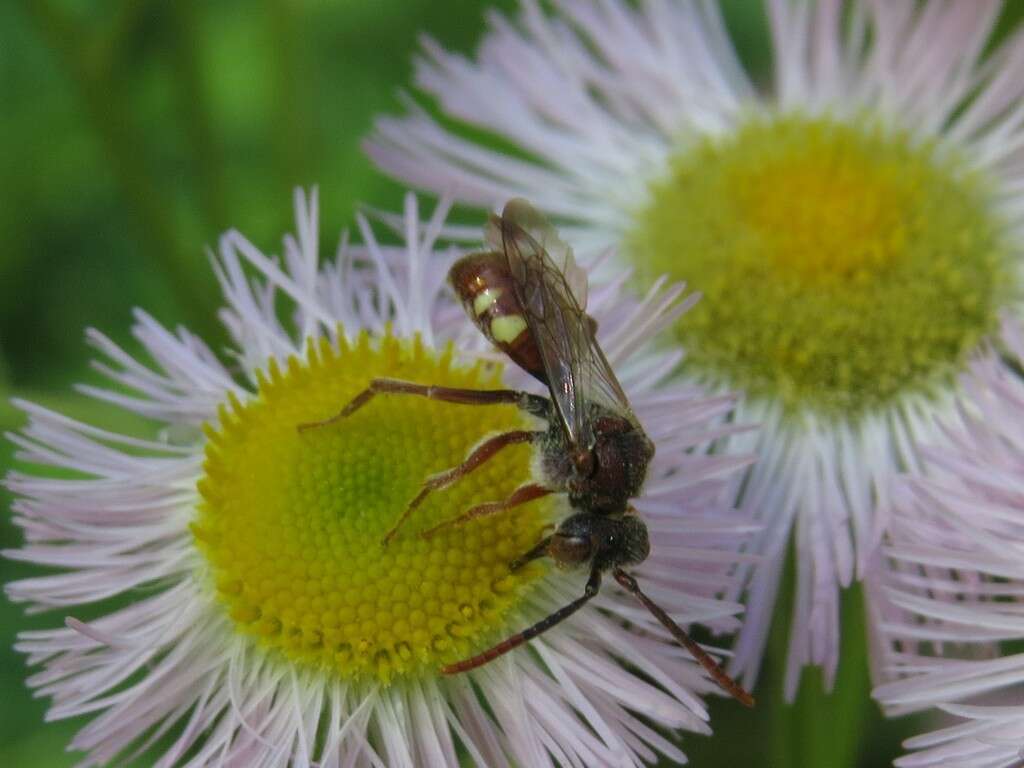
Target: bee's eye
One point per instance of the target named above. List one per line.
(609, 540)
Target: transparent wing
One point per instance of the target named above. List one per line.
(533, 223)
(578, 372)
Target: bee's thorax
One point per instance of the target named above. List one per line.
(614, 469)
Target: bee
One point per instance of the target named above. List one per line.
(527, 296)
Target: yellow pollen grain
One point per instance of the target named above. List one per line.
(290, 523)
(843, 265)
(507, 328)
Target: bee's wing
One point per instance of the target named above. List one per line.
(533, 223)
(576, 368)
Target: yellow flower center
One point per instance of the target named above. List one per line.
(291, 523)
(842, 265)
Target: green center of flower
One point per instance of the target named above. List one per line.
(842, 266)
(291, 523)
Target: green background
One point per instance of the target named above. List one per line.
(134, 132)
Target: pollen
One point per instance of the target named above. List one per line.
(291, 523)
(843, 265)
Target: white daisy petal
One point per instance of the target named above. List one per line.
(947, 586)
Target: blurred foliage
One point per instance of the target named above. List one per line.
(135, 132)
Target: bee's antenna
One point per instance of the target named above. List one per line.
(719, 675)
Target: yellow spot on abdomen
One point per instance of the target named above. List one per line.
(485, 300)
(291, 523)
(507, 328)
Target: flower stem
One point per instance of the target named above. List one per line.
(821, 728)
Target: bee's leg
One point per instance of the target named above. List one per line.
(520, 495)
(478, 456)
(535, 404)
(593, 585)
(719, 675)
(539, 550)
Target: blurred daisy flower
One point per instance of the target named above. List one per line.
(241, 608)
(855, 228)
(950, 584)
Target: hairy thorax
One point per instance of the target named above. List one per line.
(619, 456)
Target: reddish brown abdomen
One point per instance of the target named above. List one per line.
(487, 291)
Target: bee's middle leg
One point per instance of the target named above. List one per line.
(479, 455)
(520, 495)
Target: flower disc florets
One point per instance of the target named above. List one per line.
(292, 522)
(876, 265)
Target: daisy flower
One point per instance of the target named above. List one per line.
(227, 597)
(952, 578)
(855, 226)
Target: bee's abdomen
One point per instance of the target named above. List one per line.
(487, 291)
